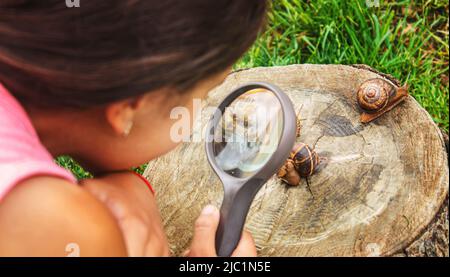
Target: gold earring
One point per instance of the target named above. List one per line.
(127, 129)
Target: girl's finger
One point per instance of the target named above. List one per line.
(203, 243)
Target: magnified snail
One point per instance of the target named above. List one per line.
(303, 162)
(378, 96)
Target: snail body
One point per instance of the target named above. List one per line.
(289, 174)
(302, 162)
(377, 96)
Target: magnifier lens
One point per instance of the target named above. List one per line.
(248, 133)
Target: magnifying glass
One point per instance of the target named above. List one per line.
(248, 139)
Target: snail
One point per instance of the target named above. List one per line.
(289, 174)
(302, 162)
(378, 96)
(305, 159)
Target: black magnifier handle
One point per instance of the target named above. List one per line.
(233, 212)
(239, 192)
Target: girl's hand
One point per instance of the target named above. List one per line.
(203, 243)
(134, 207)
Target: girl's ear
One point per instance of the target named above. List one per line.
(120, 115)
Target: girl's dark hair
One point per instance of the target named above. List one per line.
(109, 50)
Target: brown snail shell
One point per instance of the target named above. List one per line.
(373, 95)
(305, 159)
(302, 162)
(378, 96)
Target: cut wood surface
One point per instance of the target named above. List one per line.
(383, 184)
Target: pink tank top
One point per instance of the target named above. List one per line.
(22, 155)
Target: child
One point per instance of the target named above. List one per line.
(97, 83)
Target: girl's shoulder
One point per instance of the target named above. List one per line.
(48, 216)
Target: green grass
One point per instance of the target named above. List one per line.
(407, 39)
(79, 172)
(68, 163)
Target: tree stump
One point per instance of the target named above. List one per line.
(383, 184)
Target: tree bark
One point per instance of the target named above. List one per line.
(381, 193)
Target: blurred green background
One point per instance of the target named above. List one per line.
(407, 39)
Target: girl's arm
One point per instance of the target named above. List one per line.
(46, 216)
(134, 207)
